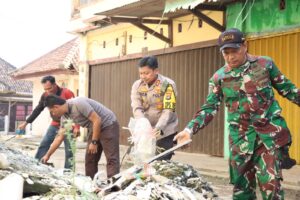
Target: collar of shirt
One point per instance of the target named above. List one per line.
(236, 72)
(156, 82)
(67, 114)
(59, 90)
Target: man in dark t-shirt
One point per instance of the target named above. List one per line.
(103, 131)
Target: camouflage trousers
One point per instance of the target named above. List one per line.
(262, 165)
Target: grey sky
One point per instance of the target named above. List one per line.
(31, 28)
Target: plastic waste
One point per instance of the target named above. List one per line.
(20, 133)
(144, 142)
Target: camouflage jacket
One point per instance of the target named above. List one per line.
(248, 95)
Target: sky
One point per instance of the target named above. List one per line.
(32, 28)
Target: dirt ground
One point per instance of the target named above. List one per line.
(224, 189)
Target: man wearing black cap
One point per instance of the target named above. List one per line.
(258, 134)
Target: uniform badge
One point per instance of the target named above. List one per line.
(157, 89)
(169, 101)
(157, 83)
(143, 89)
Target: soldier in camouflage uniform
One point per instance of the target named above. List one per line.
(257, 131)
(153, 96)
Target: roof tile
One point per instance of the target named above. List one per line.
(8, 84)
(63, 57)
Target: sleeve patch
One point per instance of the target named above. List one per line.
(169, 101)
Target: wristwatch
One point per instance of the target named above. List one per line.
(95, 142)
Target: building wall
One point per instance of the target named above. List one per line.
(191, 32)
(88, 10)
(97, 50)
(264, 16)
(83, 67)
(41, 123)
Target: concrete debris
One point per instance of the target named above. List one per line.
(42, 181)
(171, 181)
(160, 180)
(184, 175)
(4, 164)
(11, 187)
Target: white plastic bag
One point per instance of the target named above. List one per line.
(144, 142)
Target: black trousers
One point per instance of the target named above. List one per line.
(166, 143)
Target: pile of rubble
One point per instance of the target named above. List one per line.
(164, 180)
(160, 180)
(40, 181)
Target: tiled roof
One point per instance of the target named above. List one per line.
(65, 57)
(8, 84)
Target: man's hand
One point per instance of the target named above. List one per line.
(45, 159)
(182, 137)
(92, 148)
(76, 131)
(156, 133)
(22, 126)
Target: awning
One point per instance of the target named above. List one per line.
(149, 8)
(16, 97)
(138, 12)
(174, 5)
(166, 8)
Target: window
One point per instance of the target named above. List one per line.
(29, 110)
(161, 31)
(179, 28)
(104, 45)
(145, 35)
(200, 23)
(20, 113)
(117, 41)
(282, 5)
(130, 38)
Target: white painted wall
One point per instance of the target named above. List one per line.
(41, 123)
